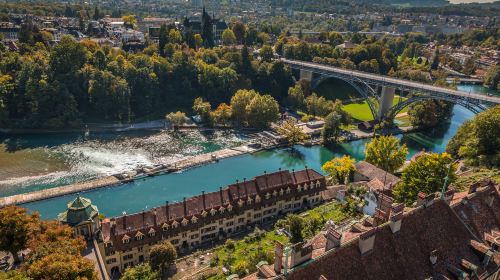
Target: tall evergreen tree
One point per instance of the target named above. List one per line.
(207, 30)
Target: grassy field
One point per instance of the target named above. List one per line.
(336, 89)
(361, 111)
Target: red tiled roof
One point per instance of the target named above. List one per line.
(194, 206)
(405, 255)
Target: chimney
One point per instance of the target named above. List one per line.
(221, 197)
(421, 198)
(473, 188)
(307, 173)
(448, 195)
(143, 217)
(203, 198)
(112, 222)
(278, 257)
(433, 257)
(167, 212)
(185, 207)
(367, 240)
(154, 217)
(395, 222)
(491, 198)
(124, 221)
(333, 238)
(300, 253)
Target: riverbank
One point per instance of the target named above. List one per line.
(127, 177)
(261, 142)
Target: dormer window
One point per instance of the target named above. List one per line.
(275, 193)
(125, 239)
(250, 200)
(288, 190)
(257, 198)
(204, 213)
(268, 195)
(213, 212)
(299, 188)
(165, 227)
(194, 220)
(240, 203)
(230, 208)
(151, 232)
(305, 186)
(184, 222)
(139, 235)
(175, 224)
(281, 192)
(221, 209)
(318, 184)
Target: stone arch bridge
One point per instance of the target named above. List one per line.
(379, 90)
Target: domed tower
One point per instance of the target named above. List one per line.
(82, 216)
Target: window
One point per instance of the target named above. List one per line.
(110, 261)
(128, 257)
(241, 220)
(139, 249)
(194, 236)
(229, 224)
(184, 235)
(174, 241)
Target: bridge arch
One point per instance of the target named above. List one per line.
(473, 107)
(362, 88)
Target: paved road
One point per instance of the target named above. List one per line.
(388, 81)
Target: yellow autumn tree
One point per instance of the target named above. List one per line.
(339, 169)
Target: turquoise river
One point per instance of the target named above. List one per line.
(149, 192)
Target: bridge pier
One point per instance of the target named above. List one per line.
(385, 101)
(306, 75)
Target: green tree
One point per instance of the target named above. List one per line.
(426, 174)
(293, 134)
(262, 110)
(162, 39)
(239, 30)
(435, 60)
(176, 119)
(202, 108)
(296, 97)
(239, 105)
(339, 170)
(129, 21)
(429, 113)
(228, 37)
(492, 78)
(174, 36)
(478, 140)
(161, 256)
(266, 53)
(331, 131)
(198, 41)
(140, 272)
(15, 229)
(14, 275)
(386, 153)
(295, 225)
(207, 29)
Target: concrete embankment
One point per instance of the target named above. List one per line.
(108, 181)
(59, 191)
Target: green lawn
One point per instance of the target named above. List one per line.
(361, 111)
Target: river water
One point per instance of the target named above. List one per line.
(153, 191)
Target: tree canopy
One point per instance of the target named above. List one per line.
(478, 140)
(426, 174)
(386, 153)
(339, 169)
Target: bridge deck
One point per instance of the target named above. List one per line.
(388, 81)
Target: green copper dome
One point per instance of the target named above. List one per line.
(79, 210)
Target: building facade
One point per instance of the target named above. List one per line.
(82, 216)
(126, 240)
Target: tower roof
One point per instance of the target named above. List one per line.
(79, 210)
